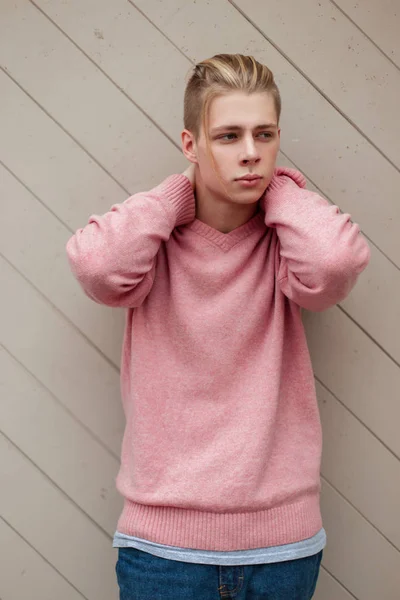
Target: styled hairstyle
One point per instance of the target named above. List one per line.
(218, 76)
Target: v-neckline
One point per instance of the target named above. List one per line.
(226, 241)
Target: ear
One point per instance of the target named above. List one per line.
(189, 146)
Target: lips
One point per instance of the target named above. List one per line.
(249, 177)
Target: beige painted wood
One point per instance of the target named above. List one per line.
(126, 46)
(357, 372)
(365, 563)
(58, 445)
(35, 256)
(80, 145)
(375, 302)
(37, 335)
(89, 106)
(380, 21)
(327, 43)
(50, 162)
(53, 525)
(333, 142)
(25, 574)
(329, 588)
(359, 466)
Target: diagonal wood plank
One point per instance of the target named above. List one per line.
(55, 527)
(379, 20)
(340, 61)
(26, 574)
(50, 162)
(58, 445)
(357, 372)
(359, 466)
(366, 564)
(56, 354)
(36, 256)
(86, 103)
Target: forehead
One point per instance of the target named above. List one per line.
(243, 110)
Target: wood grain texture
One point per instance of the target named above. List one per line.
(91, 112)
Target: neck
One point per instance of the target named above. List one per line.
(219, 213)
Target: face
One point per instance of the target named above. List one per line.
(244, 139)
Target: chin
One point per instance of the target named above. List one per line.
(249, 199)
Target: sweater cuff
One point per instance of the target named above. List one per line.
(282, 175)
(179, 192)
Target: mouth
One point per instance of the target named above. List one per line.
(248, 178)
(249, 181)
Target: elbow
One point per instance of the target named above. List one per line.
(115, 291)
(104, 283)
(89, 273)
(332, 280)
(351, 258)
(342, 271)
(82, 263)
(79, 260)
(103, 288)
(340, 276)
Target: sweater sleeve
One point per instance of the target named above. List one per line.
(320, 251)
(114, 256)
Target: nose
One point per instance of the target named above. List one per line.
(249, 154)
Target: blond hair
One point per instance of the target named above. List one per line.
(217, 76)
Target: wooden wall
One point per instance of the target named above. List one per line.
(91, 95)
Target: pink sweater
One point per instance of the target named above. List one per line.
(223, 442)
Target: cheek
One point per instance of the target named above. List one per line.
(226, 159)
(276, 149)
(223, 162)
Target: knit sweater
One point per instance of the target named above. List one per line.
(223, 442)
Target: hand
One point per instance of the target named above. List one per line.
(190, 174)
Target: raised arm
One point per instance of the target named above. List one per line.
(320, 251)
(114, 256)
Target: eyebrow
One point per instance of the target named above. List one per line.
(238, 128)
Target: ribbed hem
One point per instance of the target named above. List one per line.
(178, 189)
(197, 529)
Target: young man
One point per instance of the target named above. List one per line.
(220, 466)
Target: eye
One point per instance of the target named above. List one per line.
(226, 135)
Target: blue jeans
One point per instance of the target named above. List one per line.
(142, 576)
